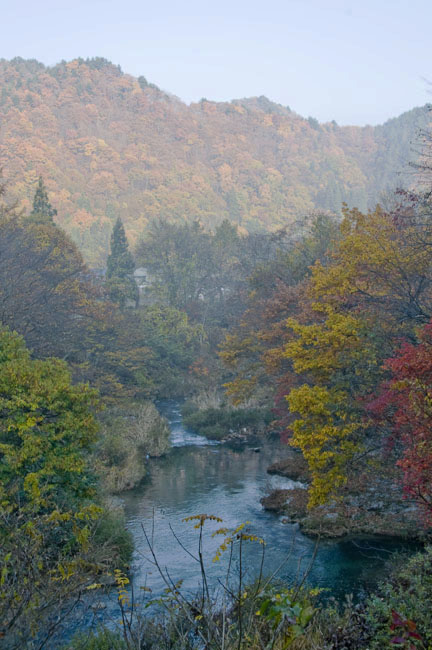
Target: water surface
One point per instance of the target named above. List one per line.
(199, 476)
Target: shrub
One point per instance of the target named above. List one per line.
(103, 640)
(217, 423)
(409, 594)
(128, 437)
(111, 530)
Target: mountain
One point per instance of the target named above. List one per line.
(111, 145)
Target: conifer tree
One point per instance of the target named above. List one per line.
(42, 208)
(120, 267)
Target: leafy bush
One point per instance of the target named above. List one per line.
(409, 594)
(219, 422)
(128, 437)
(111, 530)
(103, 640)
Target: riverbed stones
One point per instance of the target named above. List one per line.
(293, 467)
(370, 504)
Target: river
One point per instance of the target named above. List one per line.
(199, 476)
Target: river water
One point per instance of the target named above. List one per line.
(199, 476)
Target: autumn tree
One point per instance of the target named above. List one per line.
(251, 161)
(42, 283)
(403, 411)
(47, 490)
(276, 291)
(120, 267)
(376, 289)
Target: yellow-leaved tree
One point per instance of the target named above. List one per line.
(48, 501)
(376, 288)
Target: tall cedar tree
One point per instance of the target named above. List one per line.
(120, 266)
(42, 208)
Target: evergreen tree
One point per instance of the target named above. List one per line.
(42, 208)
(120, 267)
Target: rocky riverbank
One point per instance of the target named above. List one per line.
(370, 506)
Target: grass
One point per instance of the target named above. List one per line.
(218, 422)
(128, 436)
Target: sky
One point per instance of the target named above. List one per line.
(356, 62)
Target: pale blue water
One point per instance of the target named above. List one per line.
(199, 476)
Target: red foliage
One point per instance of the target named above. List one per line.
(406, 404)
(406, 630)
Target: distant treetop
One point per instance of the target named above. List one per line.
(42, 208)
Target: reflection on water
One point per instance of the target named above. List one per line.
(200, 477)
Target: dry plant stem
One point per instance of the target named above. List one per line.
(239, 599)
(52, 628)
(187, 604)
(308, 570)
(281, 565)
(180, 543)
(205, 597)
(212, 626)
(224, 608)
(206, 592)
(170, 584)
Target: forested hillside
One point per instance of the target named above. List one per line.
(111, 145)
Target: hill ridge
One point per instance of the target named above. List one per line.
(113, 145)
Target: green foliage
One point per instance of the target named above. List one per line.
(279, 605)
(110, 531)
(120, 261)
(103, 640)
(120, 266)
(409, 593)
(219, 422)
(174, 344)
(46, 428)
(42, 208)
(48, 504)
(179, 257)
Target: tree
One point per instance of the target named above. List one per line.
(120, 267)
(180, 258)
(42, 208)
(404, 409)
(46, 426)
(337, 361)
(276, 290)
(49, 297)
(47, 491)
(43, 293)
(174, 344)
(376, 289)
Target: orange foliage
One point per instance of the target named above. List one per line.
(111, 146)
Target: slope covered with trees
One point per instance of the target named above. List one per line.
(112, 146)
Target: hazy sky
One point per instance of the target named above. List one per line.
(357, 62)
